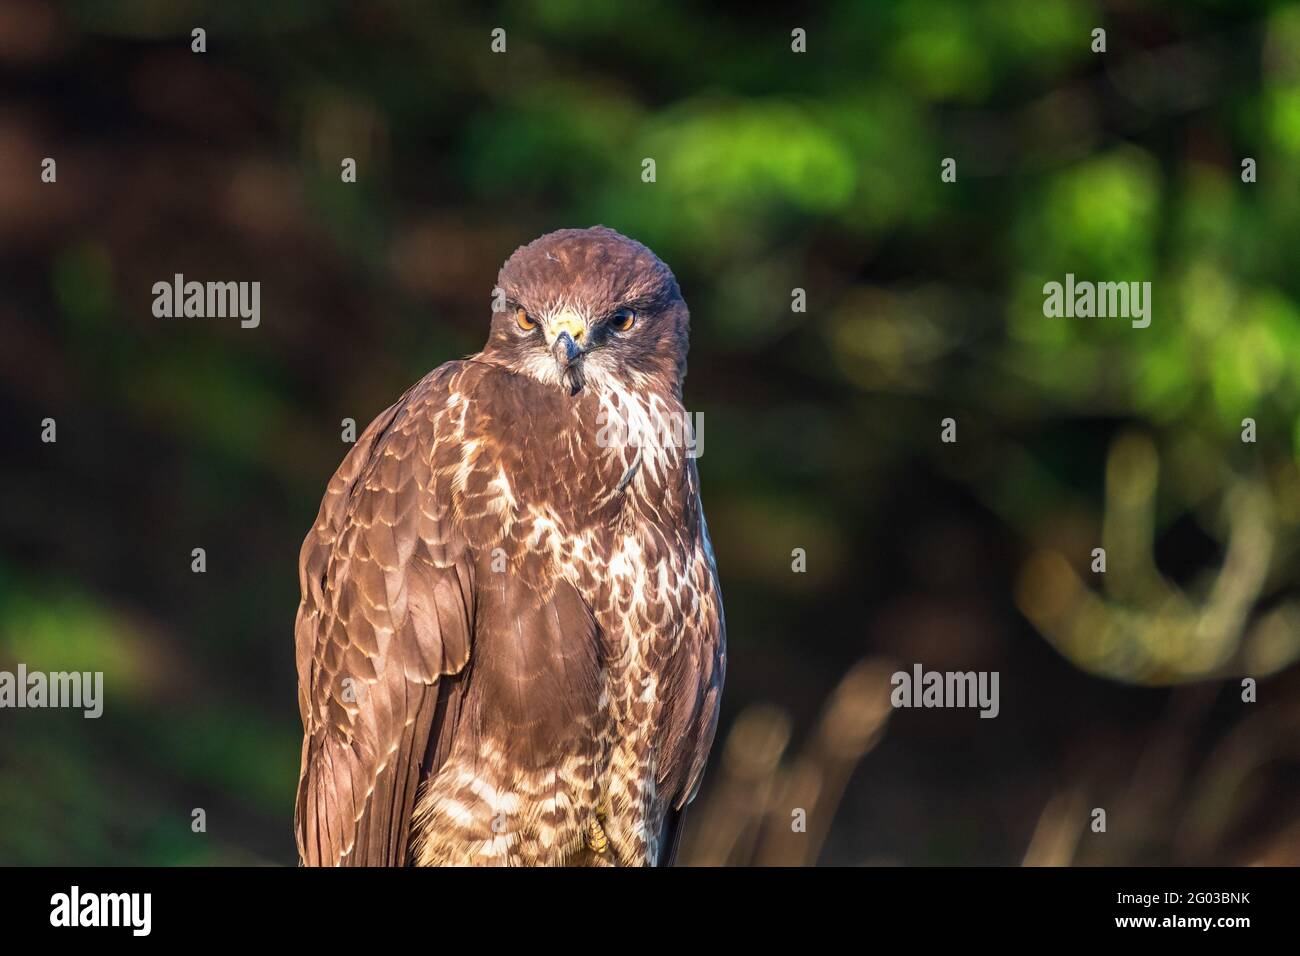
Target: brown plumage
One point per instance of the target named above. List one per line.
(511, 644)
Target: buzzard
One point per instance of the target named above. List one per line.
(510, 644)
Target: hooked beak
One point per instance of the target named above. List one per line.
(566, 334)
(565, 350)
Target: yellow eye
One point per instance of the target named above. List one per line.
(525, 320)
(622, 320)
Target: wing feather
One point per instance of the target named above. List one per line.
(696, 675)
(387, 610)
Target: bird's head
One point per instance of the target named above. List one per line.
(589, 308)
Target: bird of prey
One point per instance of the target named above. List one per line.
(510, 644)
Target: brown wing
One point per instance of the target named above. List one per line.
(697, 672)
(387, 609)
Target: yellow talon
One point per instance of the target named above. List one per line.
(596, 838)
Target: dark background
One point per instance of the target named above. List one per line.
(775, 170)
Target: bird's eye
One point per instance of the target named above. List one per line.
(526, 321)
(622, 320)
